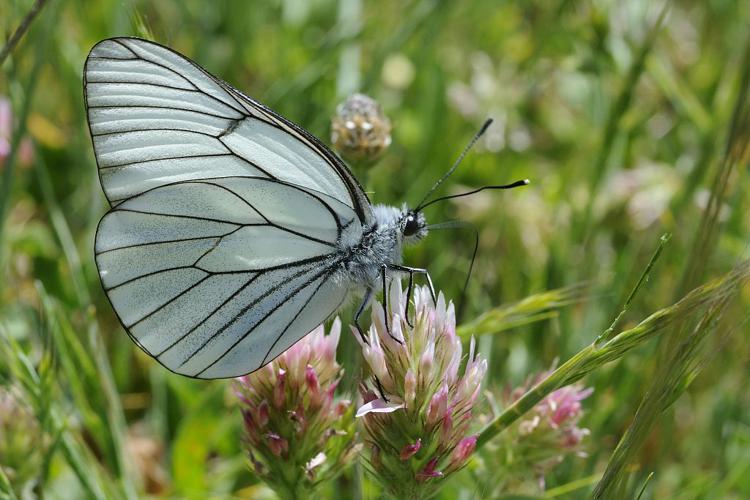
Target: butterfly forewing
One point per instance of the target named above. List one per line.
(222, 246)
(157, 118)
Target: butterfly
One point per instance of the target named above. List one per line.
(232, 231)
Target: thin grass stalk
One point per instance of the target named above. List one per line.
(668, 385)
(534, 308)
(63, 232)
(10, 164)
(21, 29)
(735, 156)
(641, 281)
(6, 490)
(93, 389)
(43, 400)
(645, 485)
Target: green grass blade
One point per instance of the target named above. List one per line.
(616, 114)
(537, 307)
(91, 387)
(63, 232)
(9, 168)
(6, 490)
(735, 156)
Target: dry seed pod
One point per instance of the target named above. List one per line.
(360, 131)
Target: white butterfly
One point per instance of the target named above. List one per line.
(233, 232)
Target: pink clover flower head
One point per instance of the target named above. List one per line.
(420, 380)
(297, 434)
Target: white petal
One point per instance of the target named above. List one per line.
(378, 406)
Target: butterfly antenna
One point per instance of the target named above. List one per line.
(450, 171)
(459, 224)
(461, 304)
(523, 182)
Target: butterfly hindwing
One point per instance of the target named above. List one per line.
(216, 277)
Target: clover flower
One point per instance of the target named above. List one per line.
(417, 409)
(298, 435)
(26, 149)
(539, 441)
(360, 131)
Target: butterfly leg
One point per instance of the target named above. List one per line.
(408, 299)
(383, 269)
(416, 270)
(386, 310)
(358, 314)
(380, 389)
(409, 290)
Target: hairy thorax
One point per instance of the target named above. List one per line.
(363, 260)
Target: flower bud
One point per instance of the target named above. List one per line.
(426, 361)
(375, 456)
(249, 421)
(313, 387)
(410, 387)
(410, 450)
(446, 429)
(429, 472)
(263, 413)
(360, 131)
(279, 394)
(277, 444)
(316, 461)
(438, 406)
(462, 452)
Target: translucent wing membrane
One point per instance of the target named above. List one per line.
(222, 246)
(157, 118)
(216, 277)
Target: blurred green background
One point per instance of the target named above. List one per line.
(618, 112)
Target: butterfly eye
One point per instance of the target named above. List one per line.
(411, 226)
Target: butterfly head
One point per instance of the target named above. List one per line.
(413, 225)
